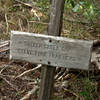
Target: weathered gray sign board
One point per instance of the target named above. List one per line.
(50, 50)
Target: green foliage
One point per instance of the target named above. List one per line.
(89, 89)
(18, 93)
(89, 9)
(71, 3)
(86, 94)
(44, 4)
(86, 7)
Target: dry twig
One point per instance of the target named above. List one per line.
(8, 82)
(60, 73)
(7, 22)
(38, 22)
(4, 50)
(3, 69)
(5, 44)
(70, 92)
(62, 76)
(20, 25)
(30, 70)
(26, 97)
(26, 4)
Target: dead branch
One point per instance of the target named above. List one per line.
(62, 76)
(8, 82)
(60, 73)
(3, 69)
(26, 4)
(20, 25)
(26, 97)
(7, 22)
(65, 89)
(38, 22)
(5, 44)
(30, 70)
(23, 79)
(4, 50)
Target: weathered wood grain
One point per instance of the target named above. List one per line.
(50, 50)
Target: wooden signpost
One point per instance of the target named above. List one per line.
(50, 50)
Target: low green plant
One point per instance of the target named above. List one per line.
(88, 90)
(85, 7)
(18, 93)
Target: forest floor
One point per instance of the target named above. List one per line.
(22, 79)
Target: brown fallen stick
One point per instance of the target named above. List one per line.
(4, 50)
(60, 73)
(71, 92)
(26, 97)
(30, 70)
(26, 4)
(3, 45)
(61, 77)
(38, 22)
(8, 82)
(3, 42)
(3, 69)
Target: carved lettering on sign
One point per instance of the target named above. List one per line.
(30, 52)
(45, 54)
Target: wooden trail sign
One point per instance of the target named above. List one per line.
(50, 50)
